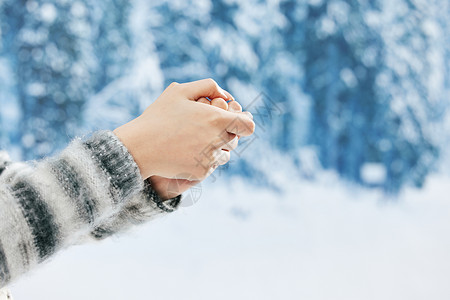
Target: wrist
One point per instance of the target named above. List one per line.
(160, 189)
(132, 139)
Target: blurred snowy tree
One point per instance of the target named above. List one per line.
(177, 27)
(45, 43)
(411, 83)
(112, 40)
(367, 69)
(363, 82)
(129, 74)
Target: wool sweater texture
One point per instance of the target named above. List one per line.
(90, 191)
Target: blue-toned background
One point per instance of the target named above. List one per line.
(343, 185)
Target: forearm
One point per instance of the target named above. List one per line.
(93, 188)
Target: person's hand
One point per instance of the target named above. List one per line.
(231, 106)
(168, 187)
(177, 138)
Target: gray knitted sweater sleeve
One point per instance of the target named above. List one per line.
(91, 190)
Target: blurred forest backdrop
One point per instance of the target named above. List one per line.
(355, 86)
(350, 98)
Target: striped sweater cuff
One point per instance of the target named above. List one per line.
(115, 161)
(142, 208)
(141, 201)
(168, 205)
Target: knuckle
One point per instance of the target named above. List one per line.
(211, 82)
(215, 118)
(235, 106)
(251, 127)
(173, 84)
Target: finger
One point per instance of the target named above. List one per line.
(234, 106)
(231, 145)
(220, 103)
(221, 157)
(204, 88)
(210, 171)
(230, 97)
(239, 123)
(222, 140)
(204, 101)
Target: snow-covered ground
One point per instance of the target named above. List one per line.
(316, 240)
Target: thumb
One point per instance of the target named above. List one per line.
(205, 88)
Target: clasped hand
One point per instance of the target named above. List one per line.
(182, 137)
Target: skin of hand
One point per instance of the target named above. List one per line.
(167, 187)
(177, 138)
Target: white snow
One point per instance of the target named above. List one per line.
(28, 140)
(78, 9)
(36, 89)
(373, 173)
(4, 156)
(48, 13)
(314, 240)
(348, 77)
